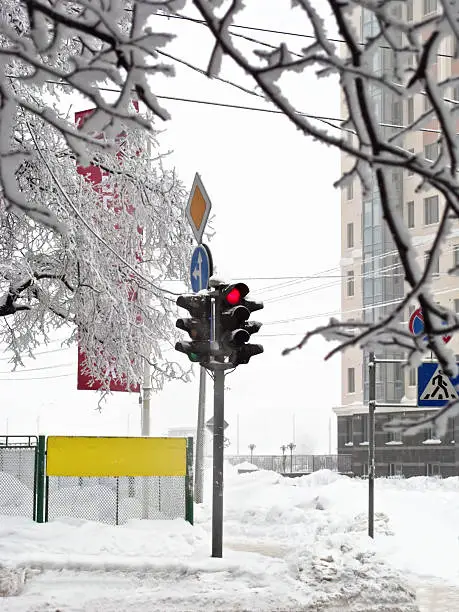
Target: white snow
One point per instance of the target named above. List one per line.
(289, 544)
(246, 466)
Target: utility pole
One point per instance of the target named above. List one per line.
(146, 398)
(145, 428)
(199, 463)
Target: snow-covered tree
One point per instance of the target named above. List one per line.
(73, 47)
(102, 277)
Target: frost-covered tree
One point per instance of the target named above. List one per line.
(100, 279)
(394, 58)
(74, 46)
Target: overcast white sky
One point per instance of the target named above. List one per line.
(276, 215)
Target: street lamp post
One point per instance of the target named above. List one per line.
(283, 449)
(291, 446)
(252, 447)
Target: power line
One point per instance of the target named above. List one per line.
(281, 32)
(37, 378)
(51, 367)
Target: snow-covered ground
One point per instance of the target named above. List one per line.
(289, 544)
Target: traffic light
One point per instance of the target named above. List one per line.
(234, 328)
(197, 327)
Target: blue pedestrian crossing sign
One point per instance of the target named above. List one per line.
(200, 268)
(435, 388)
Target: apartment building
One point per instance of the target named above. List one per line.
(373, 282)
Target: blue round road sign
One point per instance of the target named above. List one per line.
(200, 268)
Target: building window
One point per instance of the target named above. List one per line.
(433, 469)
(409, 10)
(365, 470)
(350, 190)
(429, 433)
(431, 210)
(410, 110)
(431, 151)
(410, 172)
(350, 380)
(350, 235)
(395, 469)
(430, 6)
(456, 257)
(435, 269)
(397, 113)
(349, 430)
(412, 377)
(364, 427)
(410, 214)
(350, 283)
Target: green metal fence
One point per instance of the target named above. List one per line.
(25, 490)
(18, 475)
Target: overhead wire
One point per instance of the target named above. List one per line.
(278, 32)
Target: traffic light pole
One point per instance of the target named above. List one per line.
(218, 441)
(217, 496)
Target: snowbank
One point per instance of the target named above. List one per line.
(246, 466)
(289, 544)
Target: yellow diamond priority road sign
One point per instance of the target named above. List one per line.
(198, 208)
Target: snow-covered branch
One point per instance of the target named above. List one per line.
(393, 59)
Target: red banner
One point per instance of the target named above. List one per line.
(99, 179)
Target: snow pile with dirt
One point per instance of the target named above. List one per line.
(289, 544)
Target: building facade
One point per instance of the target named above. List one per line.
(373, 282)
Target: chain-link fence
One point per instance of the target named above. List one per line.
(304, 464)
(18, 462)
(115, 500)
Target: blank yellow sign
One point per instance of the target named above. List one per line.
(93, 456)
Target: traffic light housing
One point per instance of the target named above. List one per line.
(197, 326)
(235, 329)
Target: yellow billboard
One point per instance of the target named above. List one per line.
(107, 456)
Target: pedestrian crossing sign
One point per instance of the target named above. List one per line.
(434, 387)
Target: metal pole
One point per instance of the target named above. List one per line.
(40, 484)
(371, 442)
(145, 429)
(199, 481)
(217, 497)
(145, 414)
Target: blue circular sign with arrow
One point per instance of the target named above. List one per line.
(201, 268)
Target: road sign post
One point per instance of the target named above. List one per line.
(371, 442)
